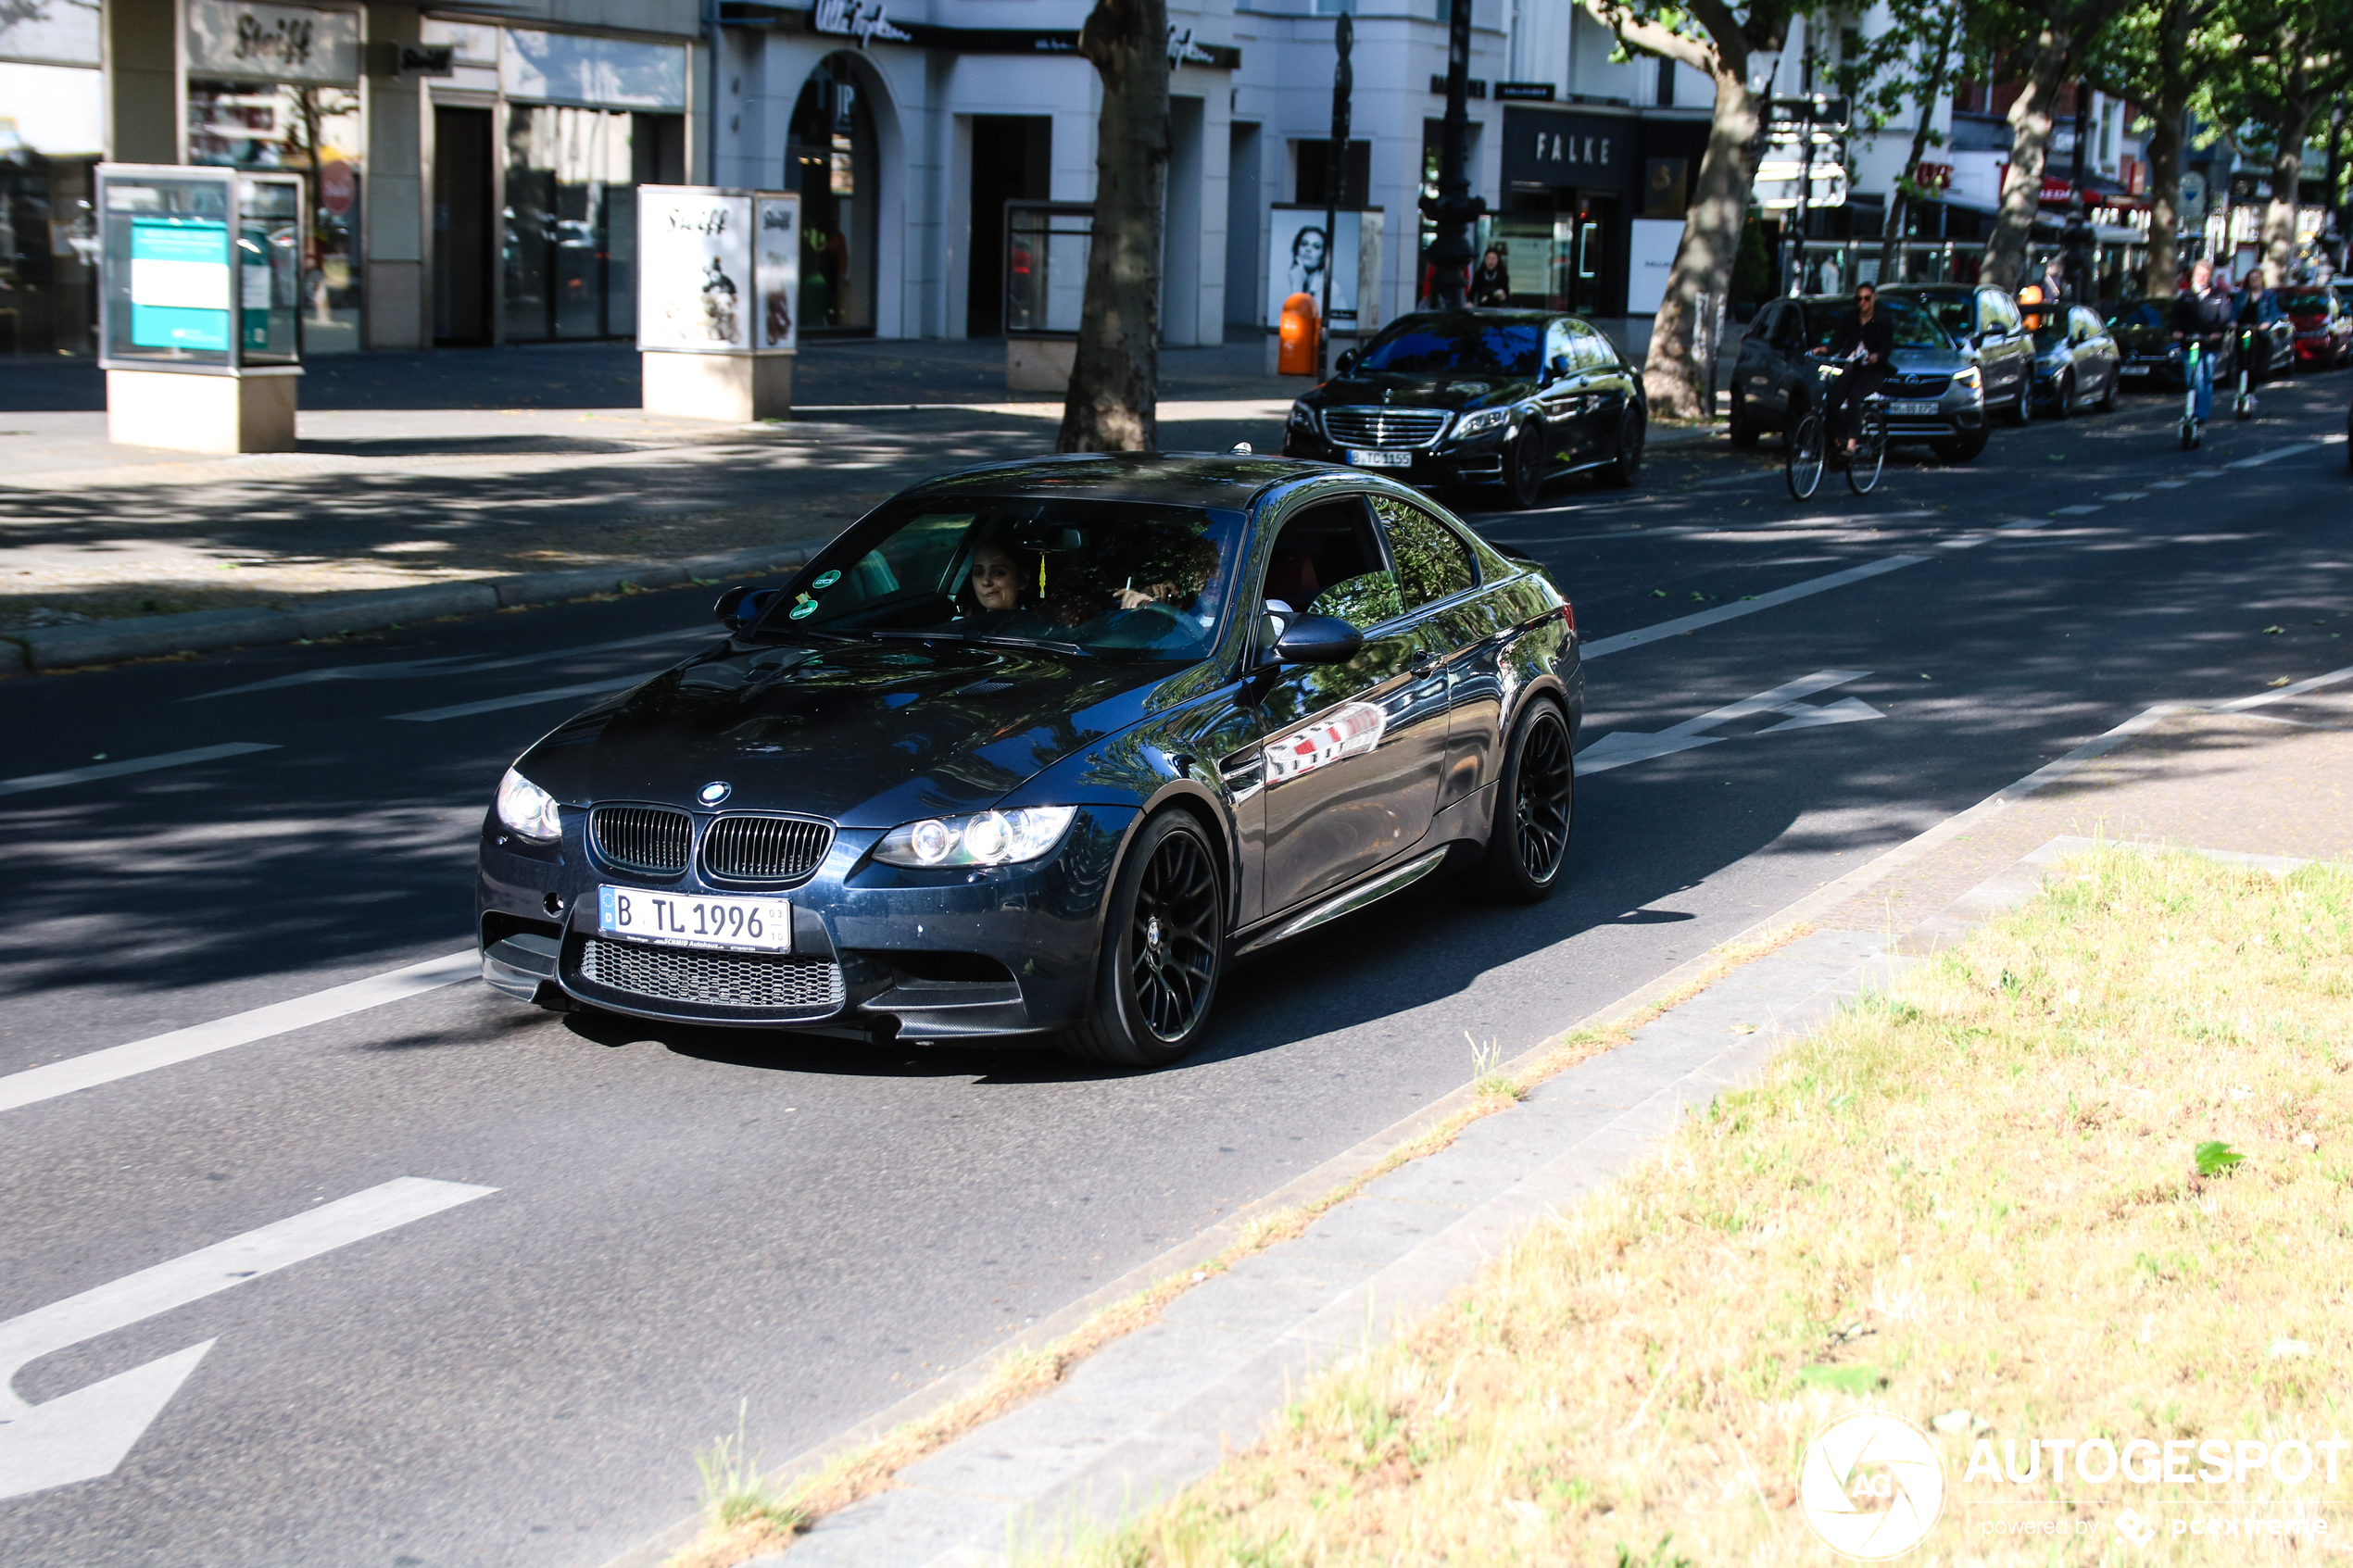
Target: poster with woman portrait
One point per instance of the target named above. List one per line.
(1298, 251)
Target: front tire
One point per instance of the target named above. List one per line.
(2022, 408)
(1959, 449)
(1535, 807)
(2063, 396)
(1163, 947)
(1524, 475)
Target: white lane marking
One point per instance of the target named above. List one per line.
(1624, 640)
(449, 664)
(1621, 746)
(2261, 458)
(93, 1068)
(86, 1434)
(2298, 689)
(135, 765)
(1967, 541)
(2127, 495)
(492, 705)
(2024, 525)
(2083, 509)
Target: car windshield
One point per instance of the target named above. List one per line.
(1913, 328)
(2310, 302)
(2050, 327)
(1097, 576)
(1950, 311)
(1428, 346)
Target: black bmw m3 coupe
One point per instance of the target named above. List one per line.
(1035, 748)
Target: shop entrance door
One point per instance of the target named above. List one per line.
(462, 144)
(1013, 160)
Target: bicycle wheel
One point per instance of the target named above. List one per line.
(1805, 457)
(1869, 455)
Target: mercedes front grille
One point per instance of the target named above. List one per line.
(1375, 427)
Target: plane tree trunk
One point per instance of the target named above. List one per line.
(1112, 402)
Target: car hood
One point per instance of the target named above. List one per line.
(2143, 339)
(1929, 361)
(870, 734)
(1419, 391)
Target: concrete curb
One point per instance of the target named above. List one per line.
(48, 649)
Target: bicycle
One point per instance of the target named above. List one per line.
(2192, 432)
(1808, 445)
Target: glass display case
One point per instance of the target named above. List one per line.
(200, 269)
(1046, 249)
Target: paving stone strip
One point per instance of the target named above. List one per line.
(46, 648)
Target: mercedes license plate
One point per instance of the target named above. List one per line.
(1365, 459)
(1911, 410)
(2136, 370)
(686, 919)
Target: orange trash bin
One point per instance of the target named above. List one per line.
(1297, 355)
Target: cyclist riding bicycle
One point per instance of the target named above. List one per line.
(2203, 317)
(1865, 336)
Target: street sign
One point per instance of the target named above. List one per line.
(1778, 181)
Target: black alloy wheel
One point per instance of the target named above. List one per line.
(1626, 467)
(1741, 424)
(1524, 467)
(2063, 396)
(1163, 947)
(2021, 410)
(1535, 807)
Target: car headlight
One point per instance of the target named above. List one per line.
(1484, 420)
(527, 811)
(1303, 418)
(1967, 376)
(989, 838)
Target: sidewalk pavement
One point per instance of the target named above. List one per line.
(461, 479)
(2263, 777)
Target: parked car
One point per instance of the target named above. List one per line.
(2323, 326)
(2077, 363)
(2143, 332)
(1934, 391)
(1984, 324)
(1508, 397)
(1032, 748)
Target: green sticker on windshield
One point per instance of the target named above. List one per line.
(803, 609)
(826, 580)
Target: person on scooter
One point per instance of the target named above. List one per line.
(2259, 308)
(1865, 338)
(2202, 316)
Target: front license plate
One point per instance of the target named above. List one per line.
(681, 920)
(2136, 370)
(1365, 459)
(1912, 410)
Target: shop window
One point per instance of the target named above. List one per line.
(317, 133)
(571, 224)
(830, 160)
(48, 255)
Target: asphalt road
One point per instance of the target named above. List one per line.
(417, 1375)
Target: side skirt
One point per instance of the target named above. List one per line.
(1380, 885)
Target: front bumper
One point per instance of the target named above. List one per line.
(1956, 411)
(2323, 351)
(2154, 373)
(948, 953)
(1475, 460)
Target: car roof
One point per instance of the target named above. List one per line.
(1176, 478)
(1934, 288)
(1469, 315)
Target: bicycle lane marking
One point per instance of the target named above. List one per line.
(1603, 647)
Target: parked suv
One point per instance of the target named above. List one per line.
(1932, 389)
(1984, 322)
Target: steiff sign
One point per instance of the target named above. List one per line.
(257, 42)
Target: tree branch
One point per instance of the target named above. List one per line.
(1650, 37)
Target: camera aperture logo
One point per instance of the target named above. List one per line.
(1871, 1486)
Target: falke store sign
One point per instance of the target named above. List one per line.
(1542, 148)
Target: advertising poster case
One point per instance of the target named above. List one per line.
(717, 270)
(1298, 251)
(200, 269)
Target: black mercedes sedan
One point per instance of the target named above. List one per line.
(1035, 748)
(1508, 397)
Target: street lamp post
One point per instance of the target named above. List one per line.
(1335, 182)
(1454, 209)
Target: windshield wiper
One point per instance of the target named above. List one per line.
(986, 640)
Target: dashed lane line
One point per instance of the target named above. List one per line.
(1604, 647)
(59, 780)
(93, 1068)
(523, 699)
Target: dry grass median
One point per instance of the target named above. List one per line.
(2084, 1179)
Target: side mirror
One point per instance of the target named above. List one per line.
(1345, 363)
(741, 606)
(1559, 367)
(1318, 639)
